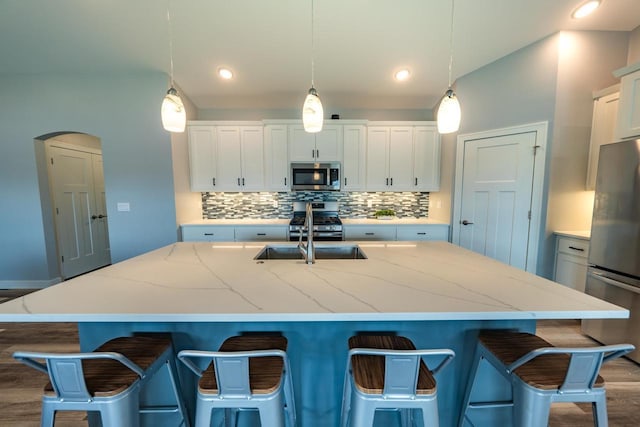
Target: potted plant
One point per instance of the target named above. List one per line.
(385, 214)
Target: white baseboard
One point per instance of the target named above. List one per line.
(28, 284)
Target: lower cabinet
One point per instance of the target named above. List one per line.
(369, 232)
(233, 233)
(414, 232)
(571, 262)
(423, 232)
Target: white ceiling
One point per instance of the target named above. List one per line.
(359, 43)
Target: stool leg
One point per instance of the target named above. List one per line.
(430, 413)
(173, 375)
(48, 416)
(203, 414)
(123, 413)
(346, 403)
(599, 408)
(272, 413)
(530, 408)
(467, 393)
(362, 414)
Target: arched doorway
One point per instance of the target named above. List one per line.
(72, 196)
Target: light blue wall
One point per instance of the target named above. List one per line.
(124, 112)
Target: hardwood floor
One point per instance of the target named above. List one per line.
(21, 386)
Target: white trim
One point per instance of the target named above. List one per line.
(28, 284)
(535, 227)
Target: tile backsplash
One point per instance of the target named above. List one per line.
(280, 205)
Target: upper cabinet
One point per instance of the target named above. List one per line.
(402, 158)
(324, 146)
(226, 158)
(353, 159)
(276, 159)
(628, 122)
(603, 126)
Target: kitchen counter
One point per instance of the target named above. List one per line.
(221, 282)
(240, 221)
(580, 234)
(394, 221)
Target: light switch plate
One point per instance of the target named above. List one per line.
(124, 207)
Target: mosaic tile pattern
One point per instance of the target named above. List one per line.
(280, 205)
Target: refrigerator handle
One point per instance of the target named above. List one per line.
(612, 282)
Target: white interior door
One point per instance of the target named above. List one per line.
(82, 234)
(497, 184)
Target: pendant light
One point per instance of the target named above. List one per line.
(448, 117)
(174, 116)
(312, 112)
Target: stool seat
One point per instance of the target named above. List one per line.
(368, 371)
(265, 373)
(545, 372)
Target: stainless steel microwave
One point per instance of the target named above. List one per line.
(315, 176)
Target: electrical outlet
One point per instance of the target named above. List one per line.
(369, 203)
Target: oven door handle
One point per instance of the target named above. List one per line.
(616, 283)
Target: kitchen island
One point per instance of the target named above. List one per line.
(435, 293)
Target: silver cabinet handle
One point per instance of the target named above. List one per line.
(465, 222)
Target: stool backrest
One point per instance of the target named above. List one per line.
(66, 372)
(402, 368)
(584, 363)
(231, 368)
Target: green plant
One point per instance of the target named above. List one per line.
(385, 212)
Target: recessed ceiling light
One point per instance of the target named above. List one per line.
(402, 75)
(225, 73)
(585, 9)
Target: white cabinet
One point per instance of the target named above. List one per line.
(240, 159)
(403, 158)
(324, 146)
(423, 232)
(202, 158)
(276, 158)
(354, 158)
(369, 232)
(571, 262)
(261, 233)
(426, 163)
(628, 122)
(207, 233)
(605, 112)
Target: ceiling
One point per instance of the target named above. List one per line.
(267, 43)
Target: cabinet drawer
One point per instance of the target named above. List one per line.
(423, 232)
(376, 232)
(260, 233)
(576, 247)
(201, 233)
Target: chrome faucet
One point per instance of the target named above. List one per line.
(308, 250)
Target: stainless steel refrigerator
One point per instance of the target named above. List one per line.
(614, 251)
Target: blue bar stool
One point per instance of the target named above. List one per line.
(107, 380)
(541, 374)
(247, 372)
(387, 372)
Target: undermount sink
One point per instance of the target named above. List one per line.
(275, 252)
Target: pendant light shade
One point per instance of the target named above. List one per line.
(312, 112)
(174, 117)
(448, 117)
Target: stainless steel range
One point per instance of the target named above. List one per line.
(326, 223)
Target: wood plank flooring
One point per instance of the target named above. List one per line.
(21, 386)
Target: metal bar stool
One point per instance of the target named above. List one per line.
(107, 380)
(247, 372)
(387, 372)
(541, 374)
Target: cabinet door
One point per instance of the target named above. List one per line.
(276, 158)
(207, 233)
(628, 123)
(261, 233)
(401, 159)
(302, 145)
(377, 167)
(252, 156)
(228, 160)
(202, 158)
(603, 126)
(423, 232)
(370, 232)
(353, 161)
(426, 162)
(571, 271)
(329, 144)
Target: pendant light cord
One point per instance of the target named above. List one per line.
(451, 42)
(313, 45)
(170, 40)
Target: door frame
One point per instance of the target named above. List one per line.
(541, 131)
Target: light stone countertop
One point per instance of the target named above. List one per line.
(285, 221)
(394, 221)
(580, 234)
(216, 282)
(239, 221)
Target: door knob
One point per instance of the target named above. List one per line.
(465, 222)
(94, 216)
